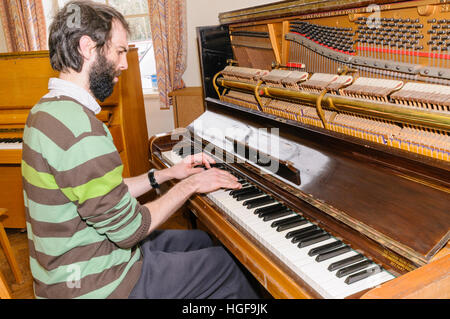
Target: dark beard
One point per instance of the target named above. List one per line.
(101, 78)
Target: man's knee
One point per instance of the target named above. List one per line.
(223, 261)
(202, 238)
(192, 239)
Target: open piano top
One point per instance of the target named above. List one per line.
(284, 116)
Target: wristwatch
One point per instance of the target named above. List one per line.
(151, 178)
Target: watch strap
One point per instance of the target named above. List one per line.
(151, 178)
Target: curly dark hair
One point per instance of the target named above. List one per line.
(76, 19)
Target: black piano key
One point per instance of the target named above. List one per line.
(301, 231)
(353, 268)
(286, 221)
(213, 165)
(362, 275)
(308, 234)
(313, 240)
(275, 211)
(253, 203)
(11, 140)
(332, 253)
(242, 190)
(325, 248)
(219, 166)
(291, 225)
(248, 195)
(276, 215)
(270, 208)
(345, 262)
(189, 151)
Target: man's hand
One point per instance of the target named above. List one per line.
(204, 182)
(194, 180)
(187, 167)
(211, 180)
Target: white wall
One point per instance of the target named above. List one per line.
(158, 121)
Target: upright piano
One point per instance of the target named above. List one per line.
(335, 117)
(23, 81)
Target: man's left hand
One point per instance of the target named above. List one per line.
(187, 166)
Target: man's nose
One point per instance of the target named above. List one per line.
(123, 63)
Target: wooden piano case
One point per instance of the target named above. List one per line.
(24, 80)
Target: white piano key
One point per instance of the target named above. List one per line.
(370, 282)
(10, 146)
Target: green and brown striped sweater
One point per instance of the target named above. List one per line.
(83, 225)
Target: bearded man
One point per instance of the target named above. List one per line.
(88, 235)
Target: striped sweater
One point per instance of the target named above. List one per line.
(83, 225)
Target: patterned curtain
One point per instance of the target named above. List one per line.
(24, 25)
(169, 34)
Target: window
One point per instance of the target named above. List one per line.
(137, 14)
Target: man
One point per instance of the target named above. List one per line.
(88, 236)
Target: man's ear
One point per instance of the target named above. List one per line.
(87, 48)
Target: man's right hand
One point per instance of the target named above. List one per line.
(212, 179)
(206, 181)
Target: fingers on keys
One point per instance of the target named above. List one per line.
(201, 159)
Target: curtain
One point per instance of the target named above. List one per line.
(169, 36)
(24, 25)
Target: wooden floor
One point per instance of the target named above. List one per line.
(19, 245)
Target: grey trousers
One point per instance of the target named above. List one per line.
(183, 264)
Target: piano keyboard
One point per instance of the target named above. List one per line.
(10, 143)
(324, 262)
